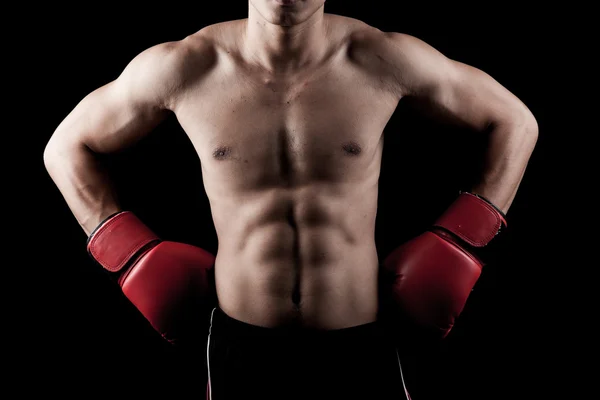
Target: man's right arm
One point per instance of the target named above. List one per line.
(109, 119)
(170, 283)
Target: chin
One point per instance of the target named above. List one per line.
(287, 13)
(286, 21)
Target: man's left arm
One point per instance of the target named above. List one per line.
(433, 274)
(458, 93)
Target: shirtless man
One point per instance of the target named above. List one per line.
(286, 110)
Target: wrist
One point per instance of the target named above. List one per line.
(96, 220)
(495, 195)
(119, 239)
(484, 198)
(473, 219)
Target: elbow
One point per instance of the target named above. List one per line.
(51, 155)
(530, 127)
(525, 123)
(57, 153)
(528, 130)
(521, 129)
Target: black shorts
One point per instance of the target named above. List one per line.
(247, 361)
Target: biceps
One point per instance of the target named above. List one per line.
(108, 120)
(470, 97)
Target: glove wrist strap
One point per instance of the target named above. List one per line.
(473, 219)
(118, 239)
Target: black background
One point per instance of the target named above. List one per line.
(81, 336)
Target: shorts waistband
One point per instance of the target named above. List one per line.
(225, 326)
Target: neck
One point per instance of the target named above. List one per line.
(280, 48)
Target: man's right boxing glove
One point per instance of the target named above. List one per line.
(171, 284)
(430, 277)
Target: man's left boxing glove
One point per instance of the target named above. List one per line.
(430, 277)
(171, 284)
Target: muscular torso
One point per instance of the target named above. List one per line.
(290, 165)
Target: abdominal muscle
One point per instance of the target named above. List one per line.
(297, 257)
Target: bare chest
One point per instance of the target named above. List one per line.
(292, 131)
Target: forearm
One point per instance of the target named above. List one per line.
(509, 148)
(82, 181)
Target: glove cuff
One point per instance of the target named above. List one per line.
(473, 219)
(118, 239)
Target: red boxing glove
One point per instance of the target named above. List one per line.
(434, 273)
(171, 284)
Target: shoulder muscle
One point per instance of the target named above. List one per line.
(157, 75)
(409, 63)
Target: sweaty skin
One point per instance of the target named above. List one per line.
(286, 110)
